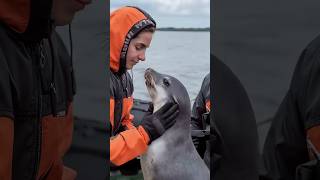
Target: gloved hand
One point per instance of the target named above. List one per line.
(157, 123)
(196, 142)
(198, 138)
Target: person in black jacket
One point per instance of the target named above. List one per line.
(234, 139)
(200, 120)
(36, 89)
(296, 122)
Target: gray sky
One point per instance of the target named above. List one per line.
(172, 13)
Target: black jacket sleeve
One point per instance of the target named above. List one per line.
(285, 147)
(6, 123)
(6, 104)
(305, 84)
(234, 117)
(197, 122)
(199, 105)
(312, 95)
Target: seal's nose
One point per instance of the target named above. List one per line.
(149, 70)
(147, 74)
(148, 77)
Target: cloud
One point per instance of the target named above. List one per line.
(170, 7)
(173, 13)
(183, 7)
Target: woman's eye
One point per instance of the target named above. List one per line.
(166, 82)
(139, 48)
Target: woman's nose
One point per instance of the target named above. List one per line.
(142, 56)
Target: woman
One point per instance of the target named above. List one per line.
(131, 31)
(36, 89)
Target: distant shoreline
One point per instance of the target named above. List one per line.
(184, 29)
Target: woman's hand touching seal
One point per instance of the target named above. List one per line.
(157, 123)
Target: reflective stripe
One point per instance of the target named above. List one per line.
(208, 105)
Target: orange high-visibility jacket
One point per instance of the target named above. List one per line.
(127, 141)
(33, 140)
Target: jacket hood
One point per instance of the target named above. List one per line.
(125, 24)
(31, 19)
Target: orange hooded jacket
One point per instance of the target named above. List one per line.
(127, 141)
(31, 147)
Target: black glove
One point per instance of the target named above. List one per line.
(195, 136)
(196, 142)
(157, 123)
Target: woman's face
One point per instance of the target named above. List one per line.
(137, 49)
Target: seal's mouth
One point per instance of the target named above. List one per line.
(149, 81)
(151, 84)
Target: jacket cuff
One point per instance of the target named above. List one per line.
(144, 134)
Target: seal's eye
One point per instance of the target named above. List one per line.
(166, 82)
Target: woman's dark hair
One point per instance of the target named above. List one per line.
(151, 29)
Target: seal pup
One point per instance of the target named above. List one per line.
(172, 156)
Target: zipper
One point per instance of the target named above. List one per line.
(117, 123)
(119, 103)
(39, 132)
(39, 59)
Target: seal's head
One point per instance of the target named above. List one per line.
(163, 88)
